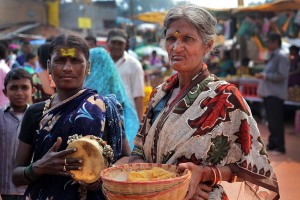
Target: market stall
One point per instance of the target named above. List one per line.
(276, 6)
(152, 17)
(248, 87)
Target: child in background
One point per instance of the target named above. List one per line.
(18, 86)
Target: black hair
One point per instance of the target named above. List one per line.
(2, 52)
(44, 55)
(227, 54)
(71, 41)
(294, 48)
(26, 43)
(17, 74)
(118, 32)
(5, 43)
(275, 37)
(245, 61)
(91, 38)
(50, 39)
(29, 56)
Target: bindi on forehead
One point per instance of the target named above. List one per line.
(177, 34)
(67, 52)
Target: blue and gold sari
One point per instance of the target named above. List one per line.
(85, 113)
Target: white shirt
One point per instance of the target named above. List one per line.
(132, 75)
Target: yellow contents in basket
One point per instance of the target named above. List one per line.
(156, 173)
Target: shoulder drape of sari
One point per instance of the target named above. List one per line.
(208, 123)
(106, 79)
(85, 113)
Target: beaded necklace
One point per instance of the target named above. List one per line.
(48, 102)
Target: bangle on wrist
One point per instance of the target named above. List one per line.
(215, 176)
(219, 173)
(29, 174)
(24, 176)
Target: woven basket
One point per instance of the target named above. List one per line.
(177, 192)
(110, 183)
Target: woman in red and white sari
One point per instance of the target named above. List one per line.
(201, 123)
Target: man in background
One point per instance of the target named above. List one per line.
(273, 89)
(129, 68)
(26, 49)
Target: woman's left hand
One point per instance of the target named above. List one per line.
(195, 186)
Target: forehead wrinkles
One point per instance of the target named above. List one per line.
(184, 28)
(180, 35)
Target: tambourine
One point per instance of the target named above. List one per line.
(94, 152)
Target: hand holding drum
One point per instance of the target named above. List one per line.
(95, 154)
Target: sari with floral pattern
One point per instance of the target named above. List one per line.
(85, 113)
(208, 123)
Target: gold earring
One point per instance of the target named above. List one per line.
(88, 72)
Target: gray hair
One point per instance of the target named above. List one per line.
(199, 17)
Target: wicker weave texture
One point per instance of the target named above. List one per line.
(176, 192)
(131, 188)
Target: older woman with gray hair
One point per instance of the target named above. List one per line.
(200, 123)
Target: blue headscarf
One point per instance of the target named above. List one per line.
(106, 79)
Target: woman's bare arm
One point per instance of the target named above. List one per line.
(22, 160)
(136, 159)
(125, 153)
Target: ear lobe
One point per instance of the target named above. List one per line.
(209, 46)
(4, 92)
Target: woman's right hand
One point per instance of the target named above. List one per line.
(197, 189)
(202, 192)
(54, 162)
